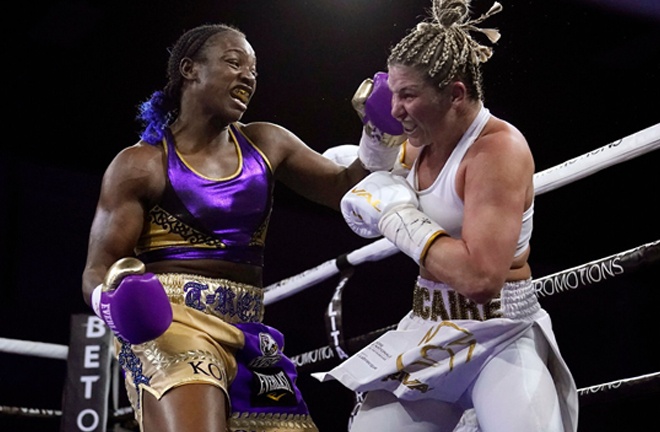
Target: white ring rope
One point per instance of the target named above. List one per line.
(613, 153)
(574, 169)
(29, 412)
(380, 249)
(45, 412)
(35, 349)
(613, 385)
(599, 270)
(582, 392)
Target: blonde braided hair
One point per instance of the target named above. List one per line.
(442, 47)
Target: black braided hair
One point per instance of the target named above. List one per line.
(441, 46)
(160, 109)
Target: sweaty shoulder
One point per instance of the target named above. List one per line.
(139, 159)
(505, 140)
(265, 131)
(502, 150)
(140, 167)
(274, 140)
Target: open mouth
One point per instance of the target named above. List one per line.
(241, 94)
(409, 128)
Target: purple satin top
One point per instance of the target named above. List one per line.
(201, 218)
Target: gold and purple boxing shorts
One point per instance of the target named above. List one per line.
(217, 338)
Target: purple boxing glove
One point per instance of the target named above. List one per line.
(378, 107)
(382, 134)
(132, 303)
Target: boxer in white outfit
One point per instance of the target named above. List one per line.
(476, 338)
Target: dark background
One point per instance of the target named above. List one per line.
(572, 75)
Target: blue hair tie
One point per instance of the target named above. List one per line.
(153, 115)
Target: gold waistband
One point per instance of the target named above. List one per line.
(272, 422)
(441, 303)
(231, 301)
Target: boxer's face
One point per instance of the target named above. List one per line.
(224, 78)
(417, 104)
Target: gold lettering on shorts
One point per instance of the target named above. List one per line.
(426, 359)
(420, 296)
(432, 305)
(438, 307)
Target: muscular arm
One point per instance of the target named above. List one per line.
(133, 178)
(497, 188)
(302, 169)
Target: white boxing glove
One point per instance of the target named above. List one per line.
(343, 155)
(373, 197)
(385, 204)
(400, 167)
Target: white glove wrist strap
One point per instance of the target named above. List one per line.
(373, 155)
(410, 230)
(96, 300)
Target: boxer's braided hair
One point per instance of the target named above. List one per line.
(161, 108)
(442, 47)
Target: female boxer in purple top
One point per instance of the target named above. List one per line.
(174, 264)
